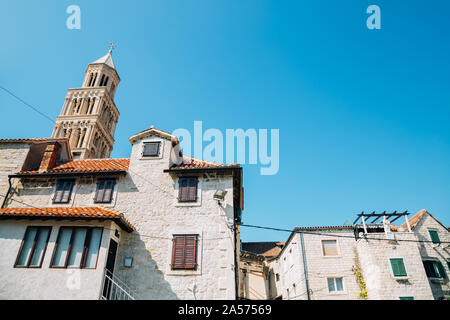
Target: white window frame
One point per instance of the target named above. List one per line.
(338, 247)
(344, 288)
(161, 149)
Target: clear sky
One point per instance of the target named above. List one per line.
(363, 114)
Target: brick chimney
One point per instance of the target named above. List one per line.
(50, 155)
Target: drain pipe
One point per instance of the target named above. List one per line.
(7, 193)
(305, 268)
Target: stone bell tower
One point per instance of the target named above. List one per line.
(89, 115)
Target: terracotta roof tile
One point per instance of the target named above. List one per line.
(32, 140)
(414, 219)
(85, 166)
(192, 163)
(99, 212)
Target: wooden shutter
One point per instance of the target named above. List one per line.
(178, 252)
(104, 191)
(441, 270)
(109, 186)
(434, 236)
(59, 191)
(398, 267)
(67, 191)
(182, 189)
(63, 191)
(192, 189)
(190, 252)
(184, 252)
(329, 248)
(100, 191)
(187, 191)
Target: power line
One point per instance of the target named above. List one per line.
(26, 103)
(334, 235)
(142, 235)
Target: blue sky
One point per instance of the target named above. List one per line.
(363, 114)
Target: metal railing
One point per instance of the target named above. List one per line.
(115, 289)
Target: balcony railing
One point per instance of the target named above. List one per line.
(115, 289)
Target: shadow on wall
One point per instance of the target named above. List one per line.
(144, 277)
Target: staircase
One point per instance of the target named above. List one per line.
(115, 289)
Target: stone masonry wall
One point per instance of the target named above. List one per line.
(430, 251)
(376, 268)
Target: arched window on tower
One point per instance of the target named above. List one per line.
(102, 80)
(106, 81)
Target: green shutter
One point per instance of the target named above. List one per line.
(441, 270)
(406, 298)
(398, 268)
(434, 236)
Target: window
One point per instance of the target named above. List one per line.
(329, 248)
(105, 188)
(434, 269)
(77, 247)
(187, 191)
(277, 276)
(406, 298)
(63, 191)
(434, 236)
(398, 268)
(33, 247)
(151, 149)
(184, 252)
(335, 285)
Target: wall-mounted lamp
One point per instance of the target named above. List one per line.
(128, 262)
(219, 195)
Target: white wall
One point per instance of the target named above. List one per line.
(148, 198)
(46, 282)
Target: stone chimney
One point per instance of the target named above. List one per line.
(50, 155)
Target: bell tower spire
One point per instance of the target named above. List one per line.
(89, 115)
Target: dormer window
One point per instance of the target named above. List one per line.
(151, 149)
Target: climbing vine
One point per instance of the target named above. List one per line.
(359, 278)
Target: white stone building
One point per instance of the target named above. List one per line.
(156, 225)
(362, 262)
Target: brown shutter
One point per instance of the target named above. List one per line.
(178, 252)
(190, 252)
(192, 189)
(100, 191)
(182, 190)
(108, 188)
(184, 252)
(67, 191)
(59, 191)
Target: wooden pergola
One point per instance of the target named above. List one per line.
(372, 218)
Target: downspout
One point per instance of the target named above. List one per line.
(305, 268)
(7, 193)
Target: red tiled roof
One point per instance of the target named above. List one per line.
(85, 166)
(99, 212)
(192, 163)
